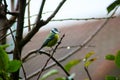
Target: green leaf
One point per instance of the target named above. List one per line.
(71, 64)
(61, 78)
(13, 66)
(110, 57)
(87, 63)
(5, 46)
(4, 59)
(108, 77)
(88, 55)
(113, 6)
(1, 78)
(117, 59)
(48, 74)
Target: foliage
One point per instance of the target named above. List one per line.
(49, 73)
(110, 57)
(7, 66)
(61, 78)
(71, 63)
(113, 6)
(110, 77)
(116, 59)
(88, 60)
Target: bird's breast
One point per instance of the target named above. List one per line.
(53, 41)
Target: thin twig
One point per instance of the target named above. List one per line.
(5, 3)
(77, 49)
(29, 27)
(57, 62)
(86, 69)
(28, 2)
(80, 19)
(14, 13)
(30, 53)
(24, 72)
(8, 24)
(54, 50)
(18, 55)
(55, 12)
(40, 11)
(27, 57)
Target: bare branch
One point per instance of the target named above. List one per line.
(15, 13)
(28, 2)
(12, 5)
(24, 72)
(54, 50)
(31, 33)
(40, 23)
(18, 54)
(77, 49)
(20, 23)
(56, 10)
(56, 62)
(40, 11)
(8, 24)
(19, 36)
(86, 69)
(5, 3)
(29, 28)
(78, 19)
(29, 54)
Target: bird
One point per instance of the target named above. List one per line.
(51, 39)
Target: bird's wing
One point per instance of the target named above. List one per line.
(48, 39)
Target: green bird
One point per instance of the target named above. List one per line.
(51, 39)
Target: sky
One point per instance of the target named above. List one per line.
(71, 9)
(74, 8)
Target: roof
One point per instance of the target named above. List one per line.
(105, 41)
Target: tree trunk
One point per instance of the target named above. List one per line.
(3, 26)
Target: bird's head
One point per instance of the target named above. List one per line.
(54, 30)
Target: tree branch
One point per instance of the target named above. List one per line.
(19, 36)
(54, 50)
(40, 11)
(56, 10)
(5, 3)
(57, 62)
(40, 23)
(76, 50)
(29, 22)
(15, 13)
(86, 69)
(35, 29)
(18, 55)
(78, 19)
(8, 24)
(20, 23)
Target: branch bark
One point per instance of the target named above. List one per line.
(40, 11)
(19, 36)
(79, 47)
(56, 10)
(6, 25)
(40, 23)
